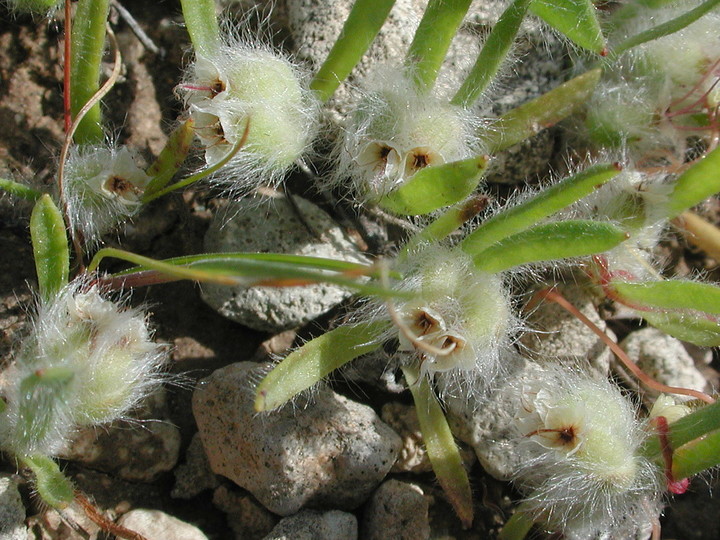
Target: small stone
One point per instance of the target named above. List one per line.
(663, 358)
(489, 425)
(397, 510)
(276, 227)
(139, 453)
(558, 336)
(195, 475)
(12, 511)
(331, 451)
(312, 525)
(246, 517)
(157, 525)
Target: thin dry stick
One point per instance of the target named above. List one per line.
(102, 91)
(105, 524)
(554, 296)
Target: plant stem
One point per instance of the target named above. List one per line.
(201, 23)
(432, 39)
(362, 25)
(88, 45)
(493, 53)
(700, 232)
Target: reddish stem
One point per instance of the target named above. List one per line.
(554, 296)
(678, 487)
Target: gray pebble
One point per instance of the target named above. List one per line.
(275, 227)
(312, 525)
(12, 511)
(397, 510)
(157, 525)
(331, 452)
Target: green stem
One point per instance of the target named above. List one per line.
(201, 23)
(362, 25)
(432, 39)
(88, 45)
(695, 185)
(493, 53)
(666, 28)
(440, 445)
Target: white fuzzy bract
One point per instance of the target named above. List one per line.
(584, 474)
(395, 130)
(239, 82)
(102, 187)
(88, 361)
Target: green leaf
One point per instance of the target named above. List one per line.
(88, 46)
(576, 19)
(697, 456)
(548, 242)
(682, 431)
(494, 51)
(19, 190)
(202, 25)
(517, 527)
(440, 445)
(432, 39)
(542, 112)
(696, 184)
(686, 310)
(306, 366)
(542, 205)
(435, 187)
(171, 157)
(667, 28)
(51, 484)
(244, 269)
(50, 247)
(362, 25)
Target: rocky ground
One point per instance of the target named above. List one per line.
(302, 464)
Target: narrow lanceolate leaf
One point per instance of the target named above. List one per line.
(542, 112)
(53, 487)
(548, 242)
(576, 19)
(50, 247)
(201, 23)
(544, 204)
(435, 187)
(697, 456)
(494, 52)
(440, 445)
(696, 184)
(306, 366)
(171, 157)
(19, 190)
(682, 431)
(88, 45)
(243, 269)
(432, 39)
(362, 25)
(686, 310)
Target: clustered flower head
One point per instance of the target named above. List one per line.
(659, 93)
(584, 474)
(88, 360)
(396, 130)
(459, 320)
(102, 187)
(241, 84)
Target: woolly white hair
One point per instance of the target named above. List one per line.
(458, 322)
(241, 81)
(102, 187)
(96, 361)
(395, 130)
(584, 474)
